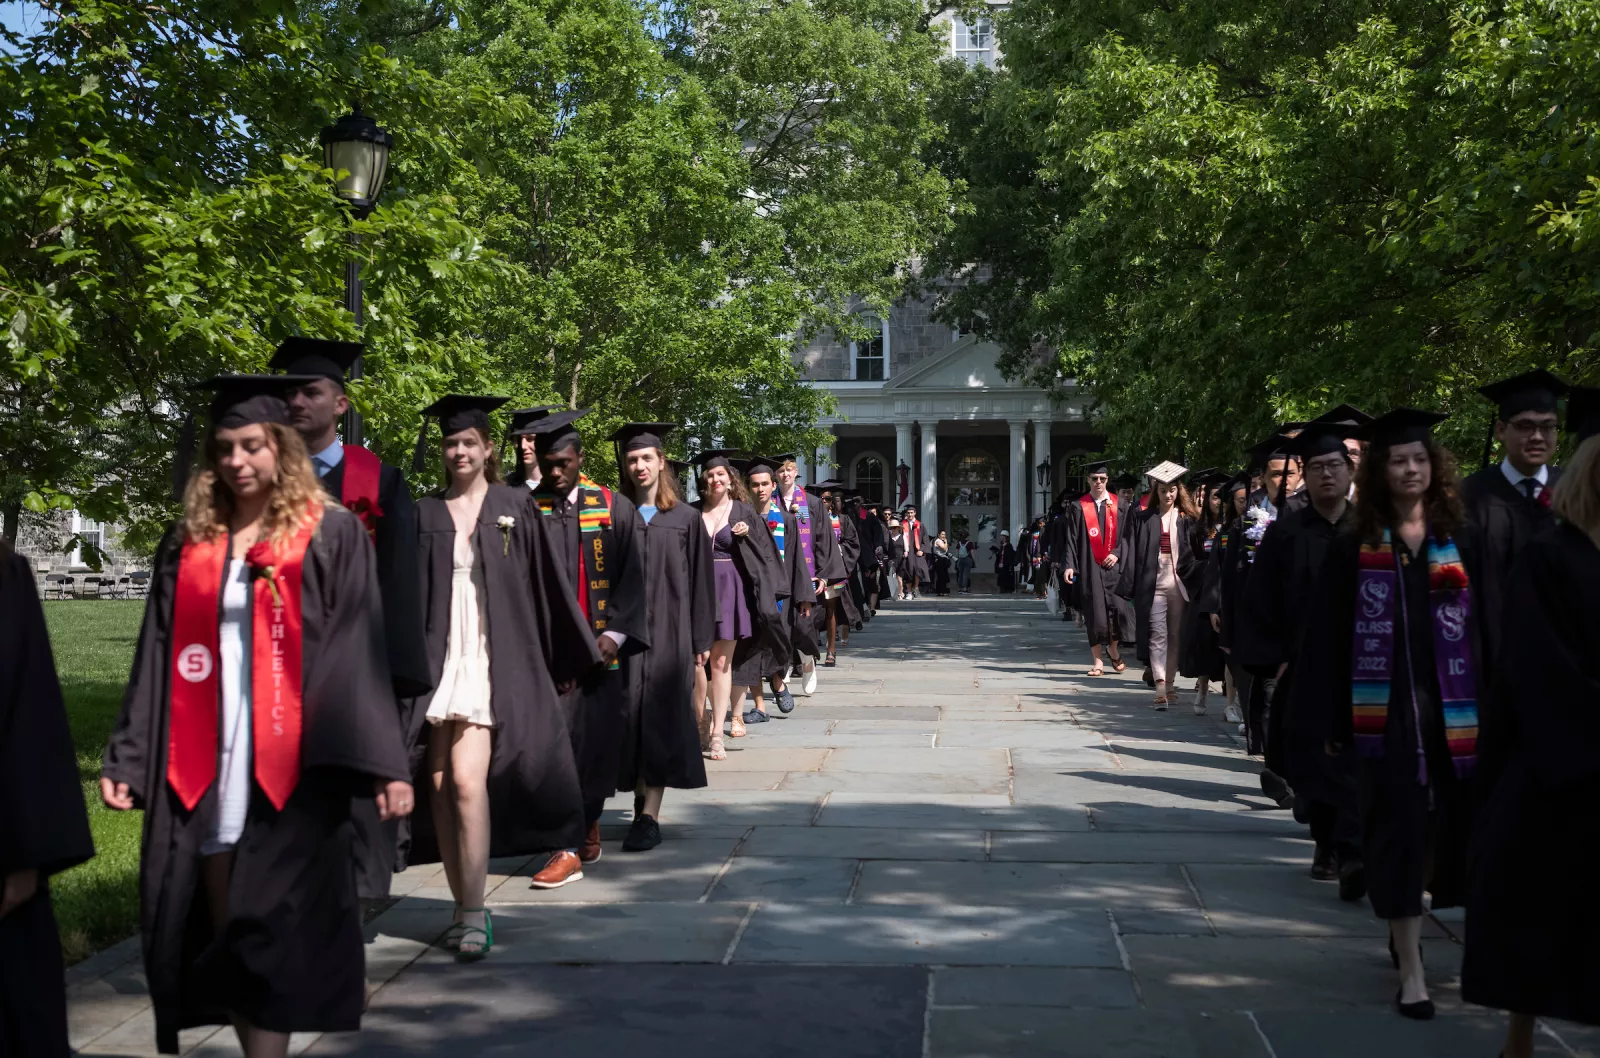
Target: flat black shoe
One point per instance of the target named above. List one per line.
(1422, 1011)
(1324, 864)
(643, 835)
(1353, 882)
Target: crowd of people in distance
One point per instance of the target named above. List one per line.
(334, 681)
(1407, 652)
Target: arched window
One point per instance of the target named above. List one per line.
(869, 360)
(869, 476)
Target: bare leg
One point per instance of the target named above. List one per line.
(215, 874)
(702, 715)
(444, 817)
(1519, 1036)
(833, 626)
(470, 749)
(721, 684)
(652, 801)
(1408, 945)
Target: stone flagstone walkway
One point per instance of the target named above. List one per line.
(961, 846)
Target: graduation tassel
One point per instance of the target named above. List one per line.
(419, 454)
(183, 457)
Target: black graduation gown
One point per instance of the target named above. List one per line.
(1005, 567)
(661, 741)
(850, 557)
(597, 706)
(1531, 928)
(1105, 613)
(537, 639)
(1505, 520)
(1400, 836)
(43, 824)
(829, 563)
(1139, 559)
(758, 657)
(1200, 656)
(290, 958)
(1232, 573)
(382, 848)
(1271, 614)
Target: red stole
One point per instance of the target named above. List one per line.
(275, 666)
(358, 490)
(1102, 538)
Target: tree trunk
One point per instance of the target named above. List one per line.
(11, 510)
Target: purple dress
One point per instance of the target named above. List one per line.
(733, 616)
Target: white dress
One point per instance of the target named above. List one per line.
(233, 742)
(463, 692)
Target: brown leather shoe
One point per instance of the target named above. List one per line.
(563, 867)
(589, 852)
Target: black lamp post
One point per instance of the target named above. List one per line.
(1042, 476)
(903, 479)
(357, 150)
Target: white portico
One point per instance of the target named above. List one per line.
(949, 434)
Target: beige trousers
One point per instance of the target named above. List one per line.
(1166, 619)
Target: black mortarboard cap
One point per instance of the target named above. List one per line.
(1274, 447)
(1344, 414)
(633, 436)
(1320, 438)
(555, 431)
(1536, 390)
(523, 419)
(455, 412)
(240, 400)
(318, 357)
(716, 457)
(1125, 481)
(1097, 468)
(1401, 426)
(1583, 411)
(819, 487)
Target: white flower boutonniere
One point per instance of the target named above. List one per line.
(506, 523)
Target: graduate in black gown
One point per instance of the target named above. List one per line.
(661, 722)
(1089, 555)
(1509, 502)
(43, 826)
(874, 556)
(598, 540)
(381, 498)
(1386, 679)
(1531, 936)
(244, 760)
(1217, 595)
(819, 553)
(840, 603)
(1271, 617)
(1154, 564)
(754, 661)
(523, 448)
(1202, 660)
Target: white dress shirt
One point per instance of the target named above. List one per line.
(1517, 477)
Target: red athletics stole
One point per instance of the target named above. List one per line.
(358, 491)
(1102, 538)
(275, 666)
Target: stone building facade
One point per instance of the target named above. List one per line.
(923, 416)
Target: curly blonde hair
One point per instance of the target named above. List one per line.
(1576, 497)
(297, 495)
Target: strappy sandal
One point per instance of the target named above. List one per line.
(1096, 670)
(469, 935)
(829, 662)
(1118, 665)
(736, 727)
(451, 941)
(716, 751)
(1162, 701)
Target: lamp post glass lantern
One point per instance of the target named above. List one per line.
(1042, 476)
(357, 150)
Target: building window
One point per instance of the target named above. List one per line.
(869, 357)
(91, 539)
(973, 480)
(973, 43)
(869, 478)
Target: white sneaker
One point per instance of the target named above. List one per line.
(808, 686)
(1232, 714)
(1199, 707)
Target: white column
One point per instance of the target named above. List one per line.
(903, 453)
(828, 462)
(1041, 452)
(802, 469)
(1019, 479)
(928, 505)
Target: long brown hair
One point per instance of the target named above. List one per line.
(1183, 502)
(1375, 504)
(296, 492)
(1576, 497)
(736, 487)
(668, 492)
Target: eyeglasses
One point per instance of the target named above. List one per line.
(1326, 470)
(1547, 427)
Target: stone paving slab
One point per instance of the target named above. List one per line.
(1044, 1032)
(681, 870)
(646, 1012)
(786, 879)
(947, 812)
(1339, 1034)
(871, 782)
(745, 755)
(1279, 902)
(601, 933)
(873, 843)
(1051, 734)
(921, 936)
(1064, 885)
(1115, 847)
(985, 763)
(1032, 986)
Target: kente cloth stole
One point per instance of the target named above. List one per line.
(275, 666)
(802, 519)
(774, 518)
(594, 525)
(1378, 605)
(358, 490)
(833, 523)
(1102, 538)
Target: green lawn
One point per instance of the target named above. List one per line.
(97, 903)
